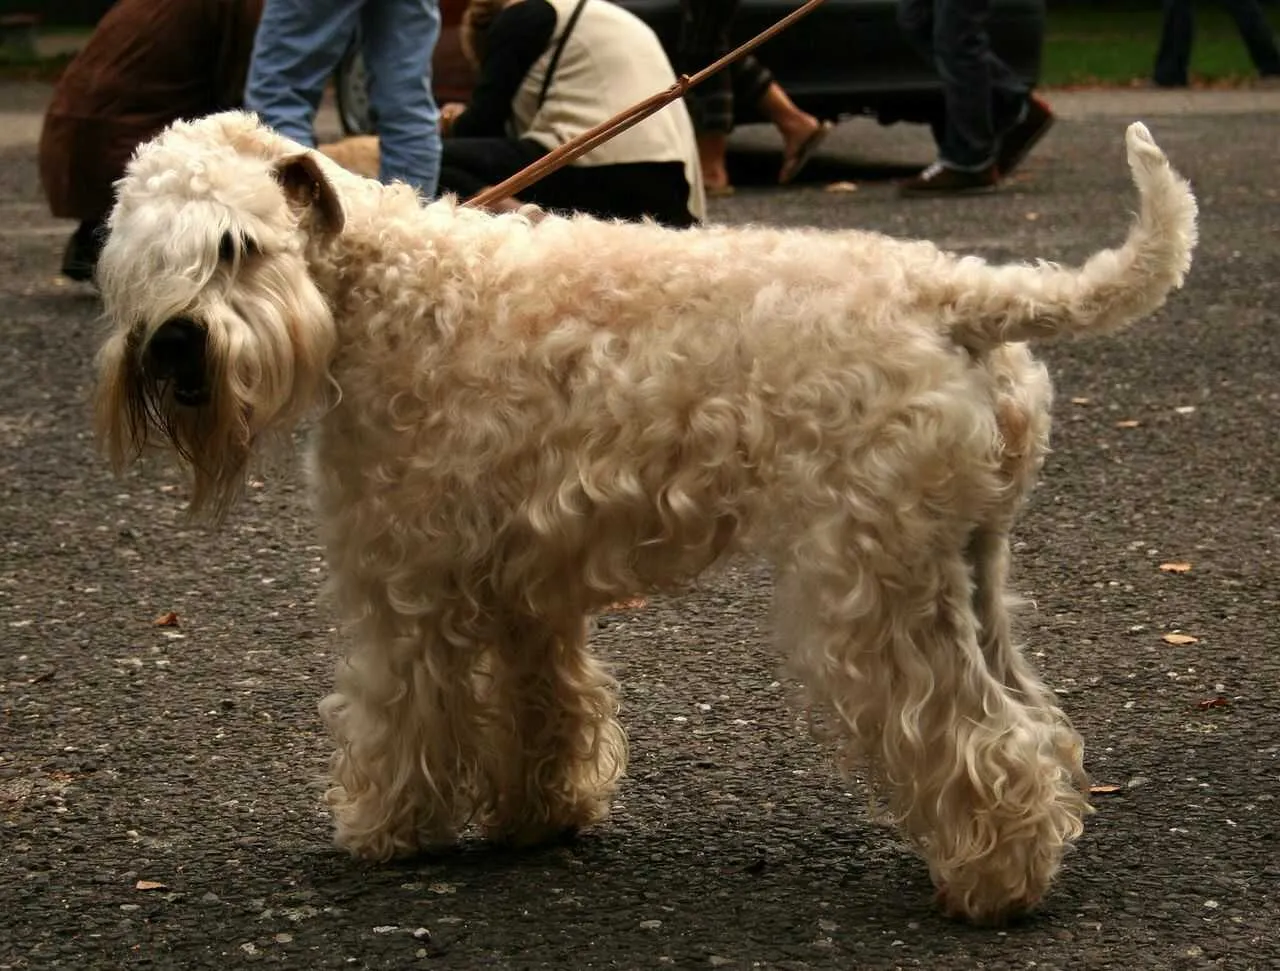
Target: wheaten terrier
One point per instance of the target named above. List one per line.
(519, 424)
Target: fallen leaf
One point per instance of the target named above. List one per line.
(1175, 567)
(1107, 789)
(1081, 401)
(149, 885)
(842, 187)
(1128, 423)
(1218, 702)
(635, 603)
(1180, 639)
(166, 620)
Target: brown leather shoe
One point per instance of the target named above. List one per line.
(80, 258)
(940, 179)
(1019, 140)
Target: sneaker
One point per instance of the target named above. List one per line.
(80, 258)
(1019, 140)
(940, 179)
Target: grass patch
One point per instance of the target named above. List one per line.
(1118, 47)
(15, 67)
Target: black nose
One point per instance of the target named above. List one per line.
(176, 353)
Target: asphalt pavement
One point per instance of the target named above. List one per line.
(159, 785)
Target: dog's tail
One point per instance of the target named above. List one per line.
(1116, 287)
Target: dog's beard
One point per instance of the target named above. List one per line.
(214, 436)
(256, 376)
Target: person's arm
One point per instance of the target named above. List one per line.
(518, 37)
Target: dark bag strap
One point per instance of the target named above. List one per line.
(555, 56)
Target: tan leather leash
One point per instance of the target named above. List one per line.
(601, 133)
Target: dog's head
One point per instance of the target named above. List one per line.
(219, 332)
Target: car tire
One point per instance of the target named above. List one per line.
(351, 87)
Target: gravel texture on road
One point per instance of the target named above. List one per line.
(160, 785)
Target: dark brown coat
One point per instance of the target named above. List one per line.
(148, 63)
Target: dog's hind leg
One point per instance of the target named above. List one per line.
(988, 557)
(965, 765)
(1021, 407)
(554, 749)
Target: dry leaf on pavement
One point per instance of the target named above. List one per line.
(149, 885)
(166, 620)
(1128, 423)
(1175, 567)
(635, 603)
(1180, 639)
(1218, 702)
(1107, 789)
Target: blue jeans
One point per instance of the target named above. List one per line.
(982, 95)
(1174, 56)
(297, 47)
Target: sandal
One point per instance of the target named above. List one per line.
(792, 164)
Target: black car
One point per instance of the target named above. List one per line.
(848, 57)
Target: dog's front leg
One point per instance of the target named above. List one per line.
(406, 717)
(555, 749)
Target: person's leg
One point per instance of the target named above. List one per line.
(399, 40)
(468, 165)
(704, 37)
(1257, 34)
(951, 35)
(969, 139)
(1021, 119)
(1009, 90)
(1173, 57)
(962, 55)
(296, 48)
(915, 21)
(801, 132)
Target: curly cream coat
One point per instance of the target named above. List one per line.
(519, 423)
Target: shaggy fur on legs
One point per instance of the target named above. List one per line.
(519, 424)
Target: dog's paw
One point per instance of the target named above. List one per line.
(982, 914)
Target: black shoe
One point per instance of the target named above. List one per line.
(940, 179)
(80, 258)
(1019, 140)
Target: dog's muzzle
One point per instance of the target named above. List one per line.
(176, 353)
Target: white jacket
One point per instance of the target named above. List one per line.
(611, 61)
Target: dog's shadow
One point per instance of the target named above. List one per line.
(707, 890)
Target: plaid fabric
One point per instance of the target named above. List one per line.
(704, 37)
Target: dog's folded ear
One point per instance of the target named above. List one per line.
(306, 187)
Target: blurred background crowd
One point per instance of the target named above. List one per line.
(452, 96)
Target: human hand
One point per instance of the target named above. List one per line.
(449, 113)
